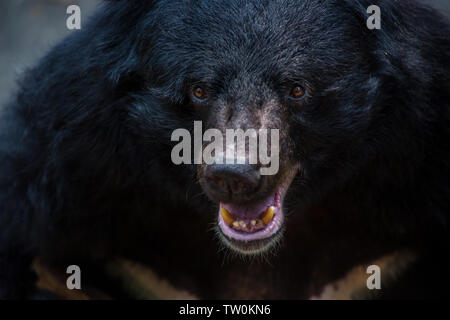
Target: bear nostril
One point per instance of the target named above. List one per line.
(233, 180)
(221, 184)
(238, 186)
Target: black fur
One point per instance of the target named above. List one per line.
(85, 146)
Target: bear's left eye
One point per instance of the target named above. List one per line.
(297, 92)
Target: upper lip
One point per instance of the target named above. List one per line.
(244, 199)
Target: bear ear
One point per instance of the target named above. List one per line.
(412, 43)
(121, 38)
(125, 62)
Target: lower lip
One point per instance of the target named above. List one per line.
(265, 233)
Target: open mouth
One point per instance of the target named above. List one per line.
(252, 229)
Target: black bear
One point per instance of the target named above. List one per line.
(364, 161)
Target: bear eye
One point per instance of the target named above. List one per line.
(297, 92)
(199, 93)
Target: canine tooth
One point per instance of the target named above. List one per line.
(227, 217)
(235, 224)
(268, 215)
(253, 222)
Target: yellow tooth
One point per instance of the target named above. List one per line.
(253, 222)
(242, 223)
(268, 215)
(227, 217)
(235, 224)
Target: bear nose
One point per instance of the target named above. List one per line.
(233, 180)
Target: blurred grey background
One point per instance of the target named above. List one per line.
(28, 28)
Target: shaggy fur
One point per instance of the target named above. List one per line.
(85, 145)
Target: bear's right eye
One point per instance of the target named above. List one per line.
(199, 93)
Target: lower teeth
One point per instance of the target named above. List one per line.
(264, 220)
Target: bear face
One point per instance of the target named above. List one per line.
(313, 71)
